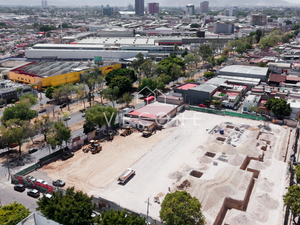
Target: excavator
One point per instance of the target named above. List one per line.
(126, 131)
(94, 147)
(148, 130)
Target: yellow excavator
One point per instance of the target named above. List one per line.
(148, 130)
(126, 131)
(94, 147)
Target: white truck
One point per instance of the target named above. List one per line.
(126, 175)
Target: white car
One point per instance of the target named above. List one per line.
(41, 181)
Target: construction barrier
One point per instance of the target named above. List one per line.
(50, 156)
(28, 169)
(228, 113)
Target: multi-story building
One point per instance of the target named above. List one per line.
(44, 4)
(139, 7)
(231, 11)
(153, 7)
(258, 19)
(190, 9)
(224, 28)
(107, 11)
(204, 7)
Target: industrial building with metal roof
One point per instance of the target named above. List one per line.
(245, 71)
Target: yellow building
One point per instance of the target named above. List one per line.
(46, 73)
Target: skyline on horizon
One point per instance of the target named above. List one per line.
(121, 3)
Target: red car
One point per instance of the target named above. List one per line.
(202, 105)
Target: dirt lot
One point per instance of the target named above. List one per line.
(86, 171)
(246, 163)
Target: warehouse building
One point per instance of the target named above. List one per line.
(51, 73)
(78, 52)
(245, 71)
(195, 94)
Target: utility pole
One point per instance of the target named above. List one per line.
(148, 203)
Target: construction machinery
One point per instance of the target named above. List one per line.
(126, 131)
(94, 147)
(148, 130)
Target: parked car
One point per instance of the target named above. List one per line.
(83, 114)
(19, 187)
(13, 145)
(58, 183)
(235, 107)
(63, 105)
(202, 105)
(31, 178)
(33, 193)
(32, 150)
(67, 118)
(68, 155)
(47, 195)
(41, 181)
(42, 110)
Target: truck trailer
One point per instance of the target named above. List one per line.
(126, 175)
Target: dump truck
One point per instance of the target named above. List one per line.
(148, 130)
(126, 175)
(126, 131)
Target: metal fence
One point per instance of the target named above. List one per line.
(227, 113)
(28, 169)
(50, 156)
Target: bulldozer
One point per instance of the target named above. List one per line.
(94, 147)
(148, 130)
(126, 131)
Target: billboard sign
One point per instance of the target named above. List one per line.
(98, 59)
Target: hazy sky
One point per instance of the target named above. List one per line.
(115, 2)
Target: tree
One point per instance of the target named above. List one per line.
(57, 94)
(13, 214)
(209, 75)
(181, 208)
(69, 209)
(120, 72)
(14, 132)
(291, 200)
(111, 94)
(68, 90)
(225, 52)
(194, 25)
(123, 83)
(32, 99)
(252, 108)
(262, 64)
(279, 107)
(175, 71)
(88, 126)
(81, 93)
(240, 49)
(136, 64)
(101, 115)
(205, 51)
(147, 68)
(19, 111)
(148, 84)
(189, 59)
(297, 172)
(44, 125)
(126, 98)
(113, 217)
(60, 133)
(259, 34)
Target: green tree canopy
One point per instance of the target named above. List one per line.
(123, 83)
(101, 115)
(148, 84)
(205, 51)
(147, 68)
(13, 213)
(114, 217)
(59, 134)
(70, 209)
(30, 98)
(181, 208)
(111, 94)
(88, 126)
(126, 98)
(291, 200)
(279, 107)
(209, 74)
(168, 64)
(20, 111)
(297, 173)
(120, 72)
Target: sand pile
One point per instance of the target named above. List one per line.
(205, 159)
(264, 184)
(236, 160)
(236, 217)
(266, 200)
(259, 213)
(176, 175)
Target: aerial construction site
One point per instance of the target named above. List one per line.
(237, 168)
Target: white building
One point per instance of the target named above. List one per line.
(251, 100)
(282, 21)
